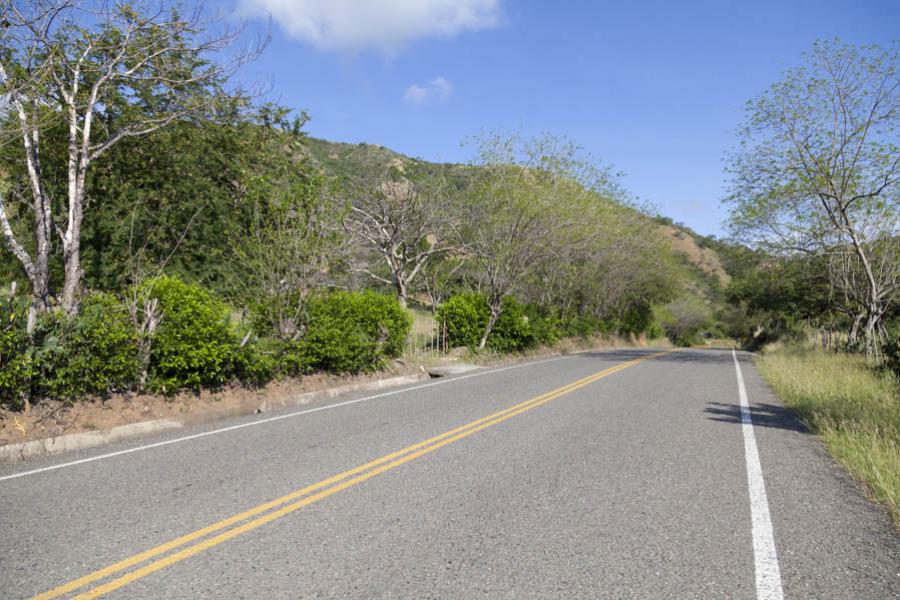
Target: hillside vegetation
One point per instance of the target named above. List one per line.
(214, 253)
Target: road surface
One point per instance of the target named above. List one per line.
(619, 474)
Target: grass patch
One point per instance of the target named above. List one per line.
(853, 407)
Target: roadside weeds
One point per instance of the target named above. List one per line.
(852, 407)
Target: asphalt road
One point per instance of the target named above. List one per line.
(621, 474)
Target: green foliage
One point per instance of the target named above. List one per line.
(512, 332)
(94, 353)
(545, 324)
(518, 327)
(780, 295)
(16, 366)
(256, 364)
(636, 318)
(291, 247)
(584, 326)
(194, 345)
(683, 319)
(466, 317)
(351, 332)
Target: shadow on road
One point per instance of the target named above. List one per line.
(694, 356)
(763, 415)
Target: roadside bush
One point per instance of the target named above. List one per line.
(512, 331)
(292, 357)
(465, 316)
(583, 326)
(683, 319)
(351, 332)
(94, 353)
(256, 364)
(16, 367)
(655, 331)
(636, 318)
(546, 326)
(193, 345)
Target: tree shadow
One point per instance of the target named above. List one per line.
(682, 356)
(762, 415)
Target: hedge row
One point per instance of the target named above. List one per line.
(195, 344)
(523, 326)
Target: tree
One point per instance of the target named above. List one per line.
(522, 210)
(294, 242)
(683, 318)
(818, 172)
(406, 222)
(103, 72)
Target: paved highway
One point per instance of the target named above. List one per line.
(620, 474)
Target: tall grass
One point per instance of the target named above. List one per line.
(853, 407)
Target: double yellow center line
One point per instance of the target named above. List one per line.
(275, 509)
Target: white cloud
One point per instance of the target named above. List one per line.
(382, 25)
(436, 89)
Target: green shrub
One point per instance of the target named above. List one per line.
(291, 357)
(465, 316)
(546, 326)
(194, 346)
(583, 326)
(655, 331)
(256, 364)
(94, 353)
(351, 332)
(512, 331)
(16, 366)
(636, 318)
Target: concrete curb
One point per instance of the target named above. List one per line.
(19, 452)
(328, 393)
(13, 453)
(452, 369)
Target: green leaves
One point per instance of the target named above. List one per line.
(352, 332)
(194, 345)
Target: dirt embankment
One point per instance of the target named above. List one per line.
(52, 418)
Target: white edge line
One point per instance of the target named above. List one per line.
(278, 418)
(768, 575)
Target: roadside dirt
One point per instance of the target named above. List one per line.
(53, 418)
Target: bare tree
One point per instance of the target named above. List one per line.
(103, 71)
(406, 225)
(440, 276)
(820, 168)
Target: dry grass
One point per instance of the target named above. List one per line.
(853, 407)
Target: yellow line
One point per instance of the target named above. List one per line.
(394, 460)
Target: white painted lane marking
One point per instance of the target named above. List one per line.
(278, 418)
(768, 575)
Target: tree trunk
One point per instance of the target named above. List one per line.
(72, 245)
(853, 334)
(401, 290)
(72, 281)
(495, 314)
(40, 287)
(873, 331)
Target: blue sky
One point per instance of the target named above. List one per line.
(655, 89)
